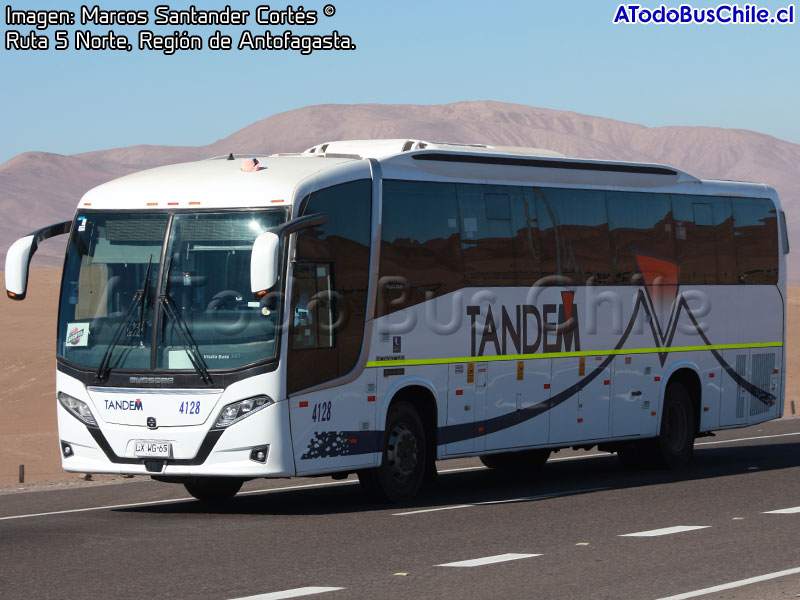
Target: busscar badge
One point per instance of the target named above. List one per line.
(151, 423)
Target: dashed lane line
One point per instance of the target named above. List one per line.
(293, 593)
(665, 531)
(487, 560)
(504, 501)
(733, 584)
(784, 511)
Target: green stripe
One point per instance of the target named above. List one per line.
(472, 359)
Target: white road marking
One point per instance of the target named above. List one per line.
(427, 510)
(297, 487)
(747, 439)
(734, 584)
(665, 531)
(784, 511)
(171, 500)
(462, 469)
(576, 456)
(487, 560)
(295, 593)
(505, 501)
(92, 508)
(348, 481)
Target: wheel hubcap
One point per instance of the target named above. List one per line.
(402, 452)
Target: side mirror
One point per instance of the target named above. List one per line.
(264, 263)
(265, 259)
(18, 258)
(19, 255)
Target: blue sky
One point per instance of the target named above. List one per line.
(560, 55)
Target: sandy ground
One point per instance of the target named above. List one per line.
(28, 433)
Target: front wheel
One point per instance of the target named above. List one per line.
(403, 464)
(213, 489)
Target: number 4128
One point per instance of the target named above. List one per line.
(322, 412)
(190, 408)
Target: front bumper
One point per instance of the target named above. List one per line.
(196, 450)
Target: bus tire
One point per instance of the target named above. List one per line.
(525, 460)
(674, 447)
(404, 462)
(213, 489)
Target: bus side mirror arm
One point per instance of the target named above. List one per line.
(265, 259)
(19, 255)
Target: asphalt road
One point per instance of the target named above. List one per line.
(475, 534)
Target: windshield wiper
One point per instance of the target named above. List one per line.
(104, 368)
(189, 344)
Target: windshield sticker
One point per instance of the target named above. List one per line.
(178, 359)
(81, 223)
(77, 334)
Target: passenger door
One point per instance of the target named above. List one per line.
(332, 419)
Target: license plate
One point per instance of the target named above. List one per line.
(152, 449)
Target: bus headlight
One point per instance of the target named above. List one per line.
(78, 408)
(237, 411)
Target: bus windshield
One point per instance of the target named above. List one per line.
(122, 308)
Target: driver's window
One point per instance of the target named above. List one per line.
(312, 307)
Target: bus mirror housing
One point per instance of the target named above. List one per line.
(265, 259)
(264, 263)
(19, 255)
(17, 261)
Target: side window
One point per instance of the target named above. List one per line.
(704, 239)
(573, 230)
(640, 224)
(420, 244)
(496, 236)
(755, 233)
(329, 287)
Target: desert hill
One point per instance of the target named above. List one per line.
(49, 186)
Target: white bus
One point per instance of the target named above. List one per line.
(370, 307)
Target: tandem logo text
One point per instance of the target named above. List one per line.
(124, 405)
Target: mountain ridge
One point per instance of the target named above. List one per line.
(56, 182)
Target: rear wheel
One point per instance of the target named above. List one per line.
(525, 460)
(404, 461)
(674, 447)
(213, 489)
